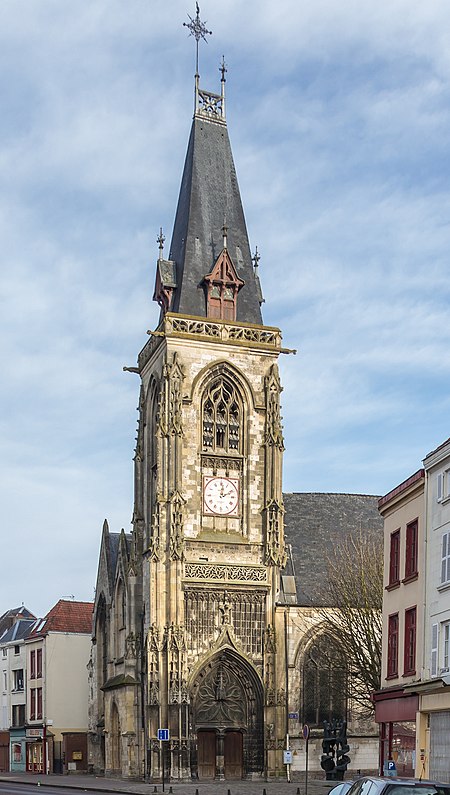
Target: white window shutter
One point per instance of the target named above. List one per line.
(434, 649)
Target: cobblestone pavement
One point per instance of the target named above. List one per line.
(115, 785)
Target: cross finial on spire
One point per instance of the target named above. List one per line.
(223, 69)
(255, 259)
(160, 239)
(197, 29)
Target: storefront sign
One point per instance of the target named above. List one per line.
(34, 733)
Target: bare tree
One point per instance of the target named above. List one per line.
(353, 593)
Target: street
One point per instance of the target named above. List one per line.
(61, 785)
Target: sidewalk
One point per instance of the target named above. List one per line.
(116, 785)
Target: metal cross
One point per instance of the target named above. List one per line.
(223, 68)
(160, 239)
(197, 29)
(256, 258)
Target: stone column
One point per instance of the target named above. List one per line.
(220, 755)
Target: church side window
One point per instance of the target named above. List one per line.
(120, 619)
(222, 419)
(324, 682)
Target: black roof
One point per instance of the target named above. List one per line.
(11, 616)
(315, 522)
(209, 197)
(19, 631)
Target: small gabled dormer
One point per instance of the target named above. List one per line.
(166, 281)
(222, 285)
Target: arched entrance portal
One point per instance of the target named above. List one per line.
(227, 717)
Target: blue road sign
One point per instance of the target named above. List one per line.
(163, 734)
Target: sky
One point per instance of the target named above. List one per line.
(339, 117)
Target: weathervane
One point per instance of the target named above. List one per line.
(199, 30)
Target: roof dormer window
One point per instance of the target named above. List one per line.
(222, 286)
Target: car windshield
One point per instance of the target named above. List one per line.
(418, 789)
(341, 789)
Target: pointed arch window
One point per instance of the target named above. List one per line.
(120, 605)
(324, 682)
(101, 635)
(222, 419)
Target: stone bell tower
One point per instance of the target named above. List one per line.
(188, 631)
(208, 516)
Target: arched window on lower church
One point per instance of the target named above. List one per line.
(120, 619)
(102, 651)
(222, 418)
(324, 678)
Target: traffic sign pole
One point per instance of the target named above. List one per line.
(306, 738)
(163, 736)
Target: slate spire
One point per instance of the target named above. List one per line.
(191, 282)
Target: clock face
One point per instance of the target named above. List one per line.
(221, 496)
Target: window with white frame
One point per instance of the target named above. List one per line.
(4, 651)
(443, 486)
(445, 558)
(5, 681)
(18, 679)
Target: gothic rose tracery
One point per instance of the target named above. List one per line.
(221, 699)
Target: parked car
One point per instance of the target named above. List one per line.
(383, 785)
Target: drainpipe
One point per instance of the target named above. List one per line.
(286, 669)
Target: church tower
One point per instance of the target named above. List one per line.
(201, 569)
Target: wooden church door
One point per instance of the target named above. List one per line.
(206, 752)
(233, 753)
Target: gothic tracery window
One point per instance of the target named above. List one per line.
(222, 419)
(324, 682)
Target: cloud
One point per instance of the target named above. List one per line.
(338, 116)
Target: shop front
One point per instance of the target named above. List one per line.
(395, 712)
(39, 755)
(18, 750)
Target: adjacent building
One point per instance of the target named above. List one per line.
(413, 706)
(433, 730)
(396, 704)
(44, 688)
(58, 649)
(15, 625)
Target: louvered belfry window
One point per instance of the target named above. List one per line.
(222, 418)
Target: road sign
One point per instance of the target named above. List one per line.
(163, 734)
(305, 731)
(287, 757)
(293, 716)
(390, 768)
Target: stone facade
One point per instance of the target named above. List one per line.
(206, 583)
(192, 630)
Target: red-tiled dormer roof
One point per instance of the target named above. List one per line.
(66, 616)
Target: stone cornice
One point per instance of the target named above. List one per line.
(190, 327)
